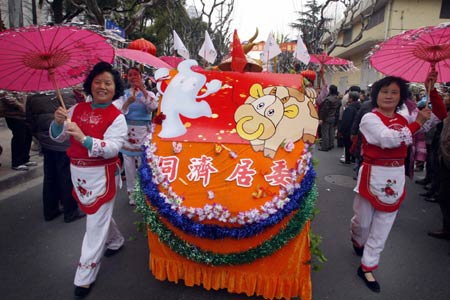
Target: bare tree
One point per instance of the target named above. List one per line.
(356, 13)
(218, 19)
(316, 25)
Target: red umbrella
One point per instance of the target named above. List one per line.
(173, 61)
(143, 45)
(41, 58)
(412, 54)
(142, 57)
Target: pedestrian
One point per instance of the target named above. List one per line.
(345, 125)
(443, 176)
(380, 187)
(14, 113)
(57, 185)
(97, 131)
(137, 104)
(327, 118)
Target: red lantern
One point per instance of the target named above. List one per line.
(143, 45)
(309, 74)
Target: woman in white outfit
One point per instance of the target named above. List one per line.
(97, 131)
(381, 179)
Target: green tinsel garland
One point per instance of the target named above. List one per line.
(192, 252)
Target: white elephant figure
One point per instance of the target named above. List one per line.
(179, 98)
(274, 115)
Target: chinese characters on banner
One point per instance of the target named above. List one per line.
(201, 169)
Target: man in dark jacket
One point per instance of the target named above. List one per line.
(57, 186)
(345, 126)
(327, 118)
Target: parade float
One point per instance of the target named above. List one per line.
(227, 185)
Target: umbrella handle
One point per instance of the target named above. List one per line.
(429, 84)
(51, 73)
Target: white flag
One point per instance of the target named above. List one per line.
(207, 50)
(301, 53)
(179, 46)
(271, 49)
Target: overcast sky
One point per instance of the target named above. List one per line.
(268, 15)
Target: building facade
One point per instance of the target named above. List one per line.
(389, 18)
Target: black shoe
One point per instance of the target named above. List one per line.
(74, 216)
(53, 216)
(374, 286)
(428, 193)
(440, 234)
(431, 199)
(422, 181)
(358, 250)
(111, 252)
(427, 187)
(81, 292)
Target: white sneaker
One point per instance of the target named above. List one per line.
(20, 168)
(131, 199)
(31, 164)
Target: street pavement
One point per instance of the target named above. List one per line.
(39, 258)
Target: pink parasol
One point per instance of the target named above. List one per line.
(142, 57)
(173, 61)
(324, 59)
(412, 54)
(41, 58)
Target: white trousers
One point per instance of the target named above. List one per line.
(370, 228)
(101, 232)
(130, 164)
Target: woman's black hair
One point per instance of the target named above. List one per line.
(134, 68)
(100, 68)
(386, 81)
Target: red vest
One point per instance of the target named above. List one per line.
(374, 155)
(93, 122)
(372, 152)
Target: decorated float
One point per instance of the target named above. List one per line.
(227, 185)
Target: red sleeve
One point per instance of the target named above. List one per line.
(414, 127)
(437, 104)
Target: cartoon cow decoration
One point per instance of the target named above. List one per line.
(275, 115)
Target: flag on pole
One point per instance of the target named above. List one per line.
(207, 51)
(301, 53)
(238, 59)
(271, 49)
(179, 46)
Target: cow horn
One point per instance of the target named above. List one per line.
(248, 136)
(273, 92)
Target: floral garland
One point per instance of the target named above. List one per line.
(192, 252)
(216, 211)
(210, 231)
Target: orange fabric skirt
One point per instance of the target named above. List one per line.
(284, 274)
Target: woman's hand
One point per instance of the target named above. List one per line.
(75, 131)
(61, 115)
(423, 115)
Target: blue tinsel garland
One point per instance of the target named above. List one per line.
(215, 232)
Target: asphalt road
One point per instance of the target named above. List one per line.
(39, 258)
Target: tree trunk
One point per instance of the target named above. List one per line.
(15, 13)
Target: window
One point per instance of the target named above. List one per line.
(347, 36)
(377, 17)
(445, 10)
